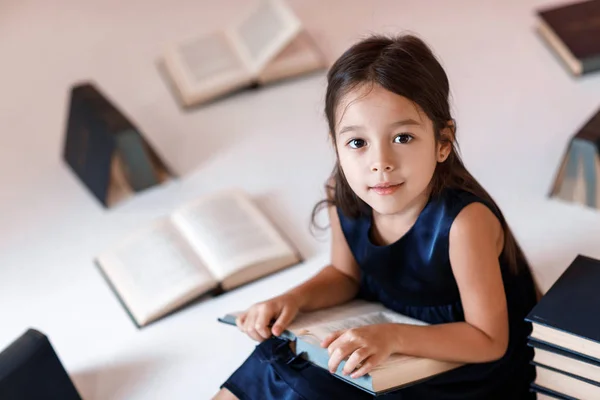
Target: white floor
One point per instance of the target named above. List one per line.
(515, 105)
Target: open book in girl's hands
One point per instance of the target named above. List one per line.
(214, 244)
(309, 329)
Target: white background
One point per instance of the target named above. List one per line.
(515, 104)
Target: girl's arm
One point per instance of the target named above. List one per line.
(336, 283)
(476, 240)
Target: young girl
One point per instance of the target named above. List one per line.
(412, 229)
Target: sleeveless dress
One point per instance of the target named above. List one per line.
(412, 276)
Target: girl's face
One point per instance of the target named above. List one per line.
(386, 148)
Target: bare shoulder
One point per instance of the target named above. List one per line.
(476, 217)
(476, 224)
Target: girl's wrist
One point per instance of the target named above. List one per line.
(297, 298)
(397, 334)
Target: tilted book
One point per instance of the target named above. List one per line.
(308, 330)
(573, 33)
(267, 45)
(209, 246)
(578, 176)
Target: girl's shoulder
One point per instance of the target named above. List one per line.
(454, 200)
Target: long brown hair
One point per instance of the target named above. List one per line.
(405, 66)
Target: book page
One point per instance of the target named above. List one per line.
(321, 331)
(265, 32)
(206, 66)
(300, 57)
(230, 233)
(154, 270)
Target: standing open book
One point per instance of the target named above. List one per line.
(309, 329)
(267, 45)
(214, 244)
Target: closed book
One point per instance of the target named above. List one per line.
(573, 32)
(398, 371)
(564, 360)
(566, 384)
(545, 393)
(30, 369)
(567, 315)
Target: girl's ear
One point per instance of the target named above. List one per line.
(444, 146)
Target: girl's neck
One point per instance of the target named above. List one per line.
(387, 229)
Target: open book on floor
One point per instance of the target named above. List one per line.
(309, 329)
(267, 45)
(208, 246)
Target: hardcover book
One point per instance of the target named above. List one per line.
(309, 329)
(565, 316)
(106, 151)
(577, 179)
(573, 33)
(267, 45)
(206, 247)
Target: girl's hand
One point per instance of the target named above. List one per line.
(365, 347)
(256, 321)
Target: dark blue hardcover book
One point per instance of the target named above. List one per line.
(106, 150)
(537, 344)
(565, 383)
(30, 369)
(567, 315)
(550, 393)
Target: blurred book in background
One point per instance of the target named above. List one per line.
(268, 45)
(106, 151)
(578, 176)
(210, 246)
(573, 32)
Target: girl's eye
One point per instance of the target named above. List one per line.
(403, 138)
(356, 143)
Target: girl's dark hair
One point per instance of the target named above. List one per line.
(405, 66)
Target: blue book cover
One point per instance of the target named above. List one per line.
(566, 316)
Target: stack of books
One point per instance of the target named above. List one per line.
(566, 334)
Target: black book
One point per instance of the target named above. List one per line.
(567, 315)
(106, 150)
(30, 369)
(573, 33)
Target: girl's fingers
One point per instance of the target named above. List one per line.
(283, 321)
(366, 367)
(330, 338)
(356, 360)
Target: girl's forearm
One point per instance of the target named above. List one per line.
(327, 288)
(456, 342)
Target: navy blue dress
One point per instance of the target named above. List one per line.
(412, 276)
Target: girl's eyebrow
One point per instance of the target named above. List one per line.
(407, 121)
